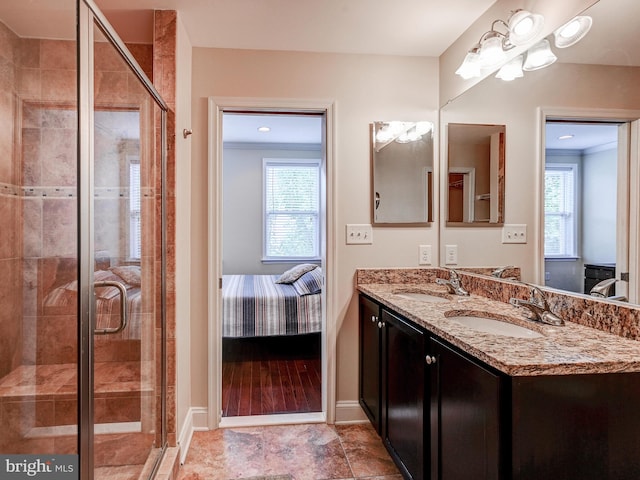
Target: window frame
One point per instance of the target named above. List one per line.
(279, 162)
(574, 169)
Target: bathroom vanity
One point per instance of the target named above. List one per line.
(453, 401)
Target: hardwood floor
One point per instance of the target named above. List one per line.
(269, 375)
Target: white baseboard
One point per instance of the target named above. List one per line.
(197, 419)
(349, 412)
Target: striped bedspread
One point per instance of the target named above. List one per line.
(256, 306)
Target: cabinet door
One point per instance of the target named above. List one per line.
(405, 406)
(465, 420)
(370, 372)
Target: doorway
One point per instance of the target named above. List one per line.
(586, 208)
(273, 196)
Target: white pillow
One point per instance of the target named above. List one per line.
(295, 273)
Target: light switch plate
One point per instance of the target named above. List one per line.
(514, 233)
(451, 254)
(424, 255)
(359, 234)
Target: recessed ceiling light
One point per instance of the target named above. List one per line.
(565, 137)
(264, 129)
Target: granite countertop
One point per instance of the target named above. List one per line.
(568, 349)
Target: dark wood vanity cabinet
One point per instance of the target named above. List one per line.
(392, 385)
(370, 378)
(405, 429)
(445, 415)
(465, 416)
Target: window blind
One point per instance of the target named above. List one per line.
(292, 201)
(560, 215)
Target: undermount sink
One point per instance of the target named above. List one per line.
(422, 297)
(494, 326)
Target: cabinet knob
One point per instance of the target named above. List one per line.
(374, 319)
(380, 324)
(430, 360)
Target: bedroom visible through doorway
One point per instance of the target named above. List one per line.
(273, 231)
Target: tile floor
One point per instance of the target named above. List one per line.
(305, 452)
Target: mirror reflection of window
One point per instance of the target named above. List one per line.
(135, 218)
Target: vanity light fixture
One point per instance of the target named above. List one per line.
(539, 56)
(401, 132)
(470, 67)
(522, 27)
(511, 70)
(492, 51)
(573, 31)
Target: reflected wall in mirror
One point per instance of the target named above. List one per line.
(475, 174)
(402, 173)
(595, 79)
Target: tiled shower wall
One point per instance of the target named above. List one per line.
(10, 237)
(37, 187)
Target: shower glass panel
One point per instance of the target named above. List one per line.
(127, 338)
(38, 231)
(93, 401)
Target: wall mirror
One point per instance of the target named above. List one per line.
(402, 173)
(593, 81)
(475, 174)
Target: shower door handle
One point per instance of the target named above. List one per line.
(123, 307)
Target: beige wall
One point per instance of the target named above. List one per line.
(183, 224)
(364, 88)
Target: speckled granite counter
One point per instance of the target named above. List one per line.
(570, 349)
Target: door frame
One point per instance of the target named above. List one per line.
(468, 192)
(217, 106)
(628, 193)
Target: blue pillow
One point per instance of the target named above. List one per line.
(310, 283)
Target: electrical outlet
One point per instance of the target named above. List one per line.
(451, 254)
(360, 234)
(424, 257)
(514, 233)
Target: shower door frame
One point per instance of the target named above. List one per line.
(89, 16)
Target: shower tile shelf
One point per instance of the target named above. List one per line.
(42, 400)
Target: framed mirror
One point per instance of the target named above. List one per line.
(402, 173)
(475, 174)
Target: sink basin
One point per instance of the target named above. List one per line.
(495, 327)
(422, 297)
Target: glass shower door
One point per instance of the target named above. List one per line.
(38, 243)
(127, 277)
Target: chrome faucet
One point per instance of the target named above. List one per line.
(602, 289)
(539, 307)
(454, 284)
(498, 272)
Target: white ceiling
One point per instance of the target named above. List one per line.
(302, 129)
(585, 136)
(398, 27)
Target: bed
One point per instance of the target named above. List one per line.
(272, 305)
(63, 299)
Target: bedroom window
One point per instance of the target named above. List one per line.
(291, 209)
(560, 211)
